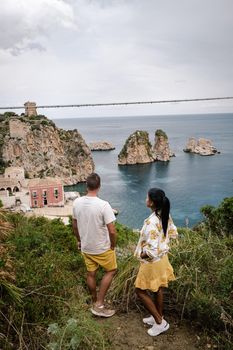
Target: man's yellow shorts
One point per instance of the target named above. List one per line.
(107, 260)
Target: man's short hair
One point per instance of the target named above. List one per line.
(93, 182)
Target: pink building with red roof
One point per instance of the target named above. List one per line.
(47, 192)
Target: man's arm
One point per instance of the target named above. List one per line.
(112, 234)
(76, 233)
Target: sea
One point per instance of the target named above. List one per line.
(190, 181)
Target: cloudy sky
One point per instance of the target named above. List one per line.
(90, 51)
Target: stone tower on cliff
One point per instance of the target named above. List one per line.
(30, 108)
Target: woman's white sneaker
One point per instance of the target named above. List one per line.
(158, 328)
(149, 320)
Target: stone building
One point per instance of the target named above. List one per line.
(14, 173)
(10, 185)
(30, 108)
(46, 192)
(12, 180)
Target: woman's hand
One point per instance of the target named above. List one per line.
(143, 255)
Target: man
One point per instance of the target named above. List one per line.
(93, 225)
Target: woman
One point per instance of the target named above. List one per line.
(155, 269)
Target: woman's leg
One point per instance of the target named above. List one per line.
(149, 304)
(159, 301)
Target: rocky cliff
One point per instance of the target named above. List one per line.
(202, 146)
(161, 149)
(35, 143)
(137, 149)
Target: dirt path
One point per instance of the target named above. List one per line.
(130, 333)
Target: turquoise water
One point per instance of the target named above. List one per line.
(190, 181)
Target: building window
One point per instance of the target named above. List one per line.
(44, 193)
(56, 192)
(35, 203)
(34, 194)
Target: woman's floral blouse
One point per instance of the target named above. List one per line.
(152, 240)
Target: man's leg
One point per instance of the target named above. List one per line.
(91, 283)
(104, 286)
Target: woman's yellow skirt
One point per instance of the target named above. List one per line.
(153, 275)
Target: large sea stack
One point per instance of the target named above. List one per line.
(42, 149)
(137, 149)
(161, 149)
(202, 146)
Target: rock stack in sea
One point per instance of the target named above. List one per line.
(42, 149)
(161, 149)
(201, 146)
(101, 146)
(136, 150)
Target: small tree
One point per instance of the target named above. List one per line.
(219, 220)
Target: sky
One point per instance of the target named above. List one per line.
(100, 51)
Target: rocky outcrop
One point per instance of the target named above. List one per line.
(161, 149)
(42, 149)
(101, 146)
(202, 146)
(137, 149)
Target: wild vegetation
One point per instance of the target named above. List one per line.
(162, 133)
(44, 301)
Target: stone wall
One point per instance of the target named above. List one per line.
(14, 173)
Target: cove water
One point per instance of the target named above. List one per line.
(190, 181)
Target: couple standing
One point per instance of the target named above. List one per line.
(93, 225)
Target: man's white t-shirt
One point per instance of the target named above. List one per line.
(92, 215)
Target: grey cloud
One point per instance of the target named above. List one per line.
(106, 50)
(16, 51)
(23, 27)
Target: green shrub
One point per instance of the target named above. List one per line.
(125, 235)
(35, 127)
(160, 132)
(80, 331)
(10, 114)
(219, 220)
(202, 292)
(48, 269)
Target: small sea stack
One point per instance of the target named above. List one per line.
(201, 146)
(101, 146)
